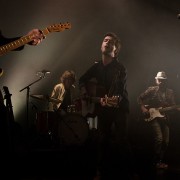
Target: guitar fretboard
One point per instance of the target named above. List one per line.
(26, 39)
(18, 43)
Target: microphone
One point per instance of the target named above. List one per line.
(178, 16)
(43, 73)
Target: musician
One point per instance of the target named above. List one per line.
(158, 96)
(110, 77)
(37, 37)
(64, 93)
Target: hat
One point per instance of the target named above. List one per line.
(161, 75)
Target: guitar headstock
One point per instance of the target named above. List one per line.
(59, 27)
(6, 92)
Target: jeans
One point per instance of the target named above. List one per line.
(160, 128)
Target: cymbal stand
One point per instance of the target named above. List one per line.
(27, 96)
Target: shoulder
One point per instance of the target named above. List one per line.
(119, 65)
(95, 65)
(151, 89)
(59, 86)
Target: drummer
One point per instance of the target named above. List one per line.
(64, 94)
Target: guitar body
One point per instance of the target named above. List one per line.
(91, 105)
(159, 112)
(154, 112)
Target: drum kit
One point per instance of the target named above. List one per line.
(70, 129)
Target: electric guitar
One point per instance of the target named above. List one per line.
(157, 112)
(26, 39)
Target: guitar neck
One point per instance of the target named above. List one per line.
(95, 99)
(169, 108)
(26, 39)
(18, 43)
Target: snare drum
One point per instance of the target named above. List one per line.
(73, 129)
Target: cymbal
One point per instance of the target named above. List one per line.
(45, 98)
(40, 97)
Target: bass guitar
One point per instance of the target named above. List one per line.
(158, 112)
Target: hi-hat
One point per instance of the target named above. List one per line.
(45, 98)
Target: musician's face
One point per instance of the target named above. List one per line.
(108, 46)
(161, 82)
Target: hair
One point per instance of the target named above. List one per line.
(116, 40)
(68, 74)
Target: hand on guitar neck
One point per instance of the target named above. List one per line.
(34, 37)
(104, 101)
(110, 101)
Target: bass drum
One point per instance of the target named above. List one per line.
(46, 123)
(73, 129)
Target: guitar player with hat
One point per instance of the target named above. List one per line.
(157, 103)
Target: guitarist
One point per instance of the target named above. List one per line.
(156, 97)
(37, 37)
(110, 74)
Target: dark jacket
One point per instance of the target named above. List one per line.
(112, 78)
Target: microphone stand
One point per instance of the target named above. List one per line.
(27, 96)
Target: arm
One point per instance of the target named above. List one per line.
(144, 98)
(36, 34)
(4, 40)
(120, 88)
(58, 96)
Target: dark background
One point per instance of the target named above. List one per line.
(149, 31)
